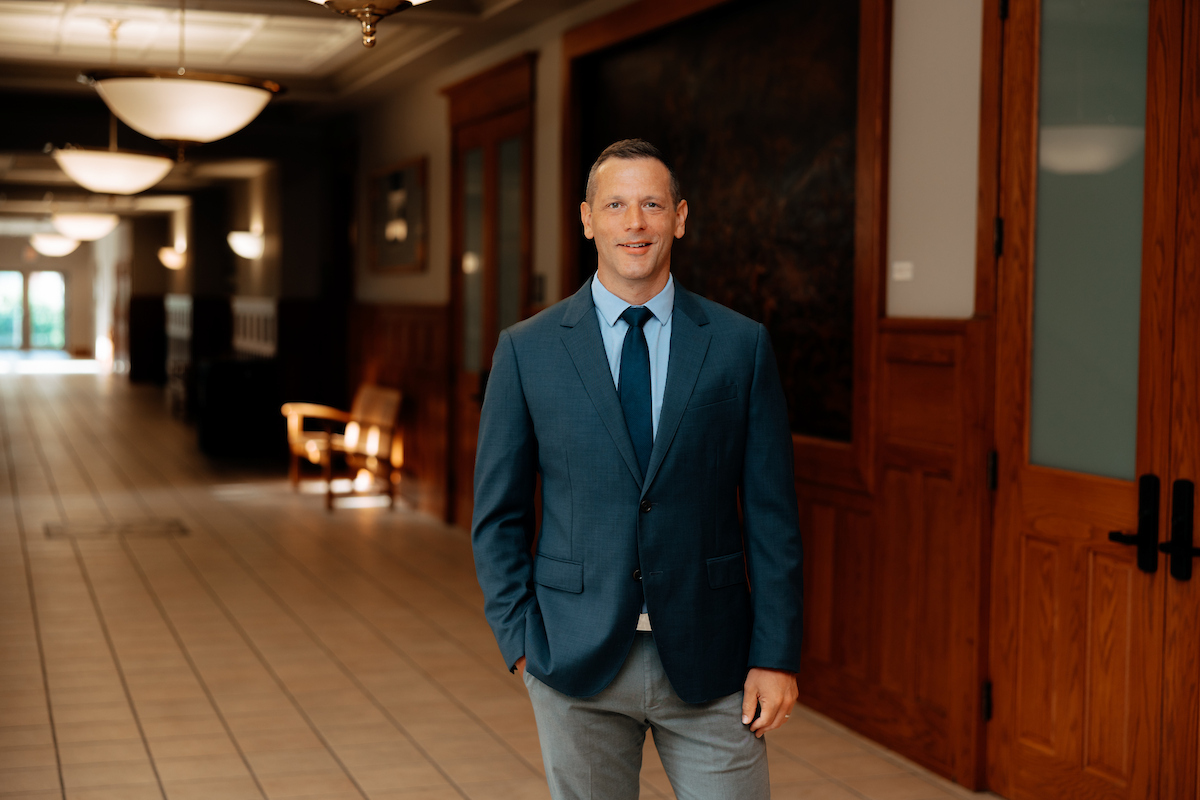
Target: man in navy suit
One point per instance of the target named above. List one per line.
(653, 416)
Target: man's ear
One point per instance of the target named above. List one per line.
(585, 216)
(680, 218)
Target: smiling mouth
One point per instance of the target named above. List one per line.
(637, 244)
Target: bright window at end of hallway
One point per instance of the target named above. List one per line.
(47, 307)
(12, 289)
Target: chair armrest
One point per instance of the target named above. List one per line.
(316, 411)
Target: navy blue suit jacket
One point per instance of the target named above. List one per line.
(724, 594)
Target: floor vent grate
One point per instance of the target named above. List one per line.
(148, 528)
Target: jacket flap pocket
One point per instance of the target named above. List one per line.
(726, 570)
(710, 396)
(565, 575)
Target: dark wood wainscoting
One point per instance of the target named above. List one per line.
(406, 347)
(896, 584)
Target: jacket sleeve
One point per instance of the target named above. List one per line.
(770, 519)
(502, 527)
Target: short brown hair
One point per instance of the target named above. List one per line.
(631, 150)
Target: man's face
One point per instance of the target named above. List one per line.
(633, 222)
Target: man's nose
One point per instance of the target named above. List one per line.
(635, 218)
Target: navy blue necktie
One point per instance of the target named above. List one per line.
(634, 386)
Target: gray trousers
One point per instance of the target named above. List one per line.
(592, 746)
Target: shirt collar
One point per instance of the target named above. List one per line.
(611, 307)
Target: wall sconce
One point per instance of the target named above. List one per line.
(171, 258)
(53, 245)
(247, 244)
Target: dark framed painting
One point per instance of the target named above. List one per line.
(398, 227)
(755, 105)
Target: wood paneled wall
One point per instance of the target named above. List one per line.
(896, 585)
(406, 347)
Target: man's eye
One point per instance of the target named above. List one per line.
(614, 205)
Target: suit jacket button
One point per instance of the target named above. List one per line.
(637, 574)
(645, 506)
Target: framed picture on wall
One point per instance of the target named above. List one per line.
(397, 211)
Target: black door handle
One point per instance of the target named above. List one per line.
(1146, 538)
(1180, 549)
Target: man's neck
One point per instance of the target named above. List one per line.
(635, 293)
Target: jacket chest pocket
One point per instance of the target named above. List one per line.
(708, 397)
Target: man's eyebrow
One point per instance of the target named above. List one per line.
(621, 197)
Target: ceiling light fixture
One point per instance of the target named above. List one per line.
(111, 171)
(85, 227)
(53, 244)
(180, 107)
(368, 13)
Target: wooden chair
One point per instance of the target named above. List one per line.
(370, 439)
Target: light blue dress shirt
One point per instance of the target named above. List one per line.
(609, 308)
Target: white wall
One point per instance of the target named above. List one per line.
(109, 253)
(933, 178)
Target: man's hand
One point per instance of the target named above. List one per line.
(520, 667)
(773, 691)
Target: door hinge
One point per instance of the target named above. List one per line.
(993, 470)
(998, 237)
(986, 706)
(1003, 9)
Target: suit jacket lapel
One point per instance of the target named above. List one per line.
(581, 335)
(689, 344)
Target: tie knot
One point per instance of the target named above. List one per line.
(636, 316)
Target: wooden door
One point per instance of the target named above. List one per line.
(491, 265)
(1077, 638)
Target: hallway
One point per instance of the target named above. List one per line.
(174, 628)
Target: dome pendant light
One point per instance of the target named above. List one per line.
(84, 226)
(53, 245)
(180, 107)
(111, 171)
(368, 12)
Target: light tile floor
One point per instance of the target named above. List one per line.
(274, 651)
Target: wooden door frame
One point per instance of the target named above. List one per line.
(507, 89)
(1014, 286)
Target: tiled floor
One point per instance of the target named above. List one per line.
(274, 650)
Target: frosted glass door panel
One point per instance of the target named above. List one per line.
(1087, 258)
(472, 260)
(509, 247)
(12, 293)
